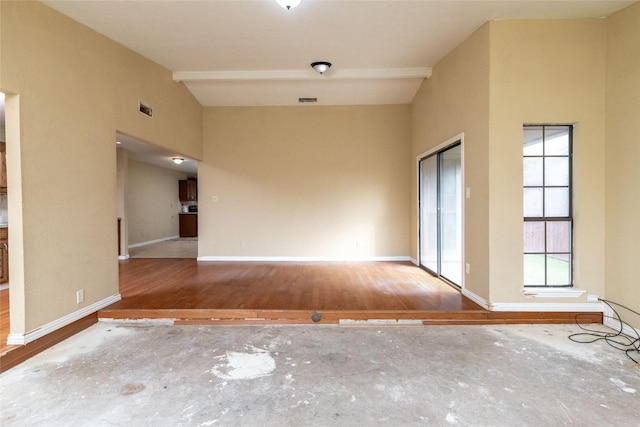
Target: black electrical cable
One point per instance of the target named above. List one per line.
(618, 339)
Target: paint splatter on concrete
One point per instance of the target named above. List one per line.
(244, 366)
(622, 385)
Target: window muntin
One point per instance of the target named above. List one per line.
(547, 205)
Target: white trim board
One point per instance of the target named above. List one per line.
(302, 259)
(545, 307)
(548, 292)
(534, 306)
(610, 322)
(475, 298)
(150, 242)
(22, 339)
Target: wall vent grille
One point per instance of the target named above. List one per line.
(145, 109)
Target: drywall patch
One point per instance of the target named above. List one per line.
(244, 366)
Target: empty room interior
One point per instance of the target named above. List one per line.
(359, 161)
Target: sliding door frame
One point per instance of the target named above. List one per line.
(464, 192)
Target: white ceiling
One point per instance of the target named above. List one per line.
(255, 53)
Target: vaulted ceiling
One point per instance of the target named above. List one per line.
(256, 53)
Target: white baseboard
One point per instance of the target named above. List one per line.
(123, 257)
(546, 307)
(301, 259)
(150, 242)
(22, 339)
(610, 322)
(414, 261)
(475, 298)
(549, 292)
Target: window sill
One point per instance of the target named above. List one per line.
(552, 292)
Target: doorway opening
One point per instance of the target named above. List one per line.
(157, 218)
(440, 228)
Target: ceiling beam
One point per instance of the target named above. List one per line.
(361, 74)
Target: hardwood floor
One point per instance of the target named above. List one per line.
(188, 284)
(194, 292)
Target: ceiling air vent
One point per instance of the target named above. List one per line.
(307, 99)
(145, 109)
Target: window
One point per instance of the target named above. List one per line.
(548, 221)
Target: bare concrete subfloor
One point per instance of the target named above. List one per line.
(141, 374)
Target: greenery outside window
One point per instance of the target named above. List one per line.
(548, 221)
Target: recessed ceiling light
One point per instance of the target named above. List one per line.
(178, 160)
(118, 142)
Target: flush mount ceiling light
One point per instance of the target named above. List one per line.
(321, 66)
(178, 160)
(288, 4)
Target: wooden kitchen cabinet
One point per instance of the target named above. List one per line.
(4, 255)
(188, 190)
(188, 225)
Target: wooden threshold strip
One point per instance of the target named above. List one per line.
(303, 317)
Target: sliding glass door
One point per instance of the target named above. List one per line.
(441, 213)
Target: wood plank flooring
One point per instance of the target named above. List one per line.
(269, 292)
(188, 284)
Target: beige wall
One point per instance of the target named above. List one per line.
(506, 74)
(623, 161)
(75, 89)
(546, 72)
(152, 202)
(456, 100)
(305, 182)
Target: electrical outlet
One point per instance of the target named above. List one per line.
(80, 296)
(592, 298)
(467, 268)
